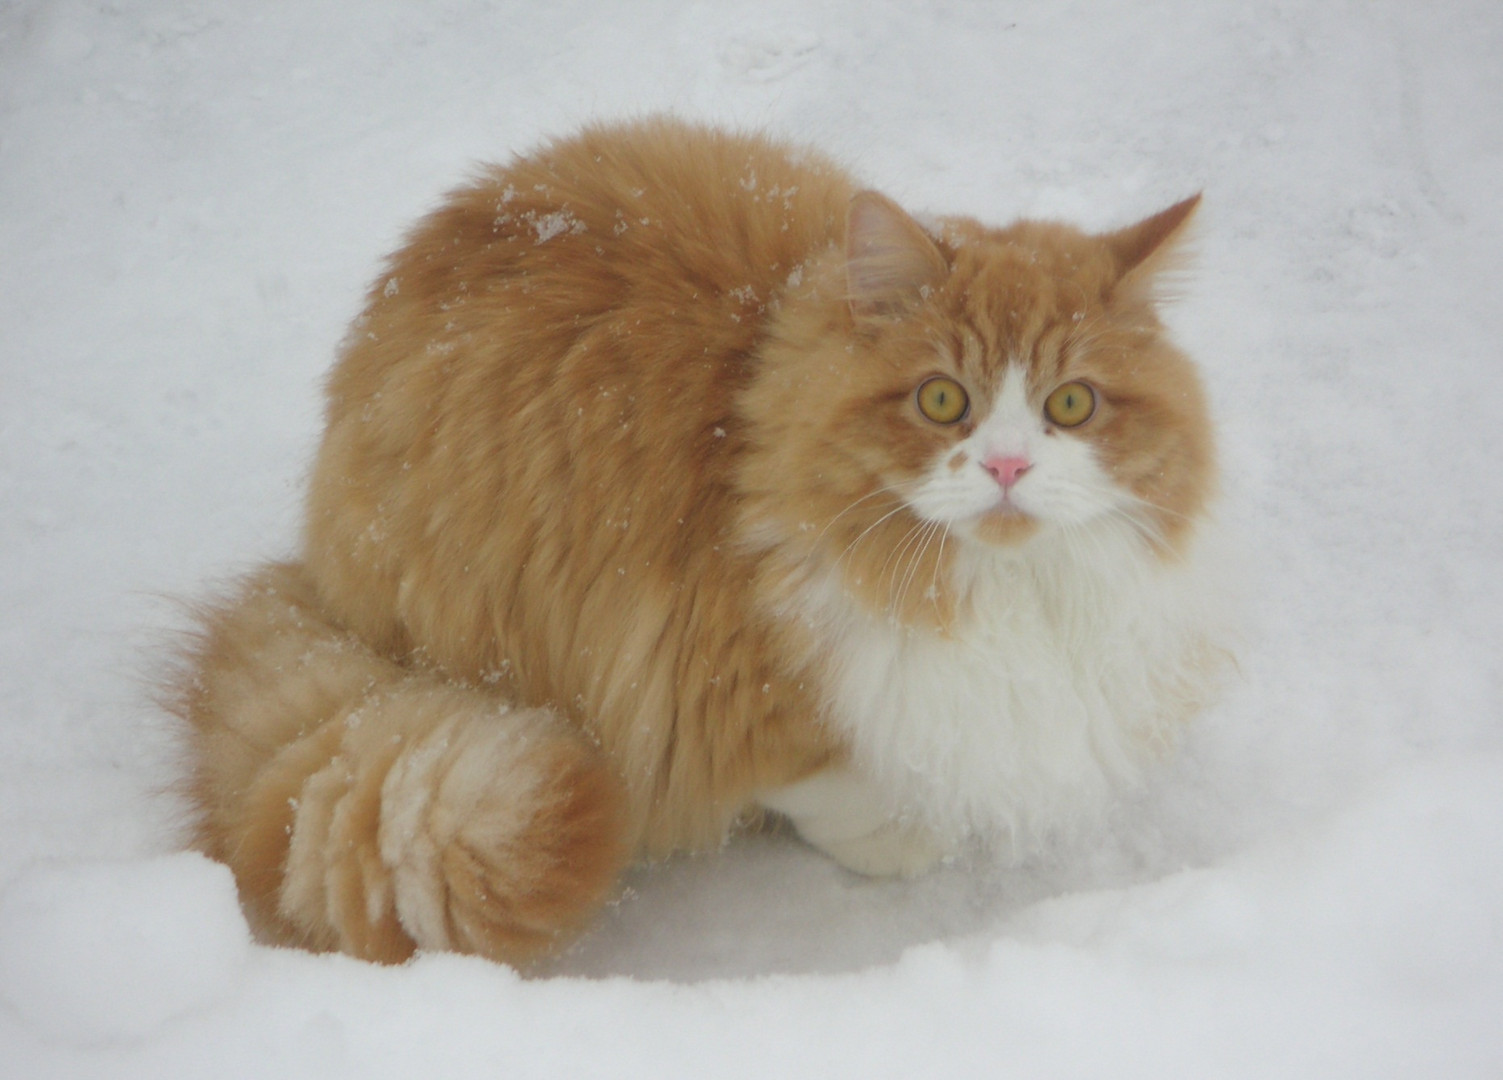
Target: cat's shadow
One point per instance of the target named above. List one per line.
(770, 905)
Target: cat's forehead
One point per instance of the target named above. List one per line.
(1015, 292)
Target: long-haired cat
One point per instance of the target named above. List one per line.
(669, 478)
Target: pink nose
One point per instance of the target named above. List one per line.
(1006, 470)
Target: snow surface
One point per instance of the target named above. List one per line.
(193, 197)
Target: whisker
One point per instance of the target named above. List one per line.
(918, 558)
(851, 547)
(916, 539)
(886, 489)
(910, 539)
(899, 547)
(1139, 501)
(1148, 530)
(939, 560)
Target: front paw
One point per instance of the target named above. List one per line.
(839, 812)
(893, 849)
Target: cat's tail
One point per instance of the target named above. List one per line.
(374, 809)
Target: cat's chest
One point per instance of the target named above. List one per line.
(1051, 685)
(1022, 651)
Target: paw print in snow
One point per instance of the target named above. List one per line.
(767, 54)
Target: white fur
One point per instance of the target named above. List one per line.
(842, 813)
(1077, 662)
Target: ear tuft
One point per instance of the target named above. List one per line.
(890, 259)
(1141, 250)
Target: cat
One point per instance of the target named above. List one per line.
(669, 478)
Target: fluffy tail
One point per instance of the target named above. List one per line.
(370, 808)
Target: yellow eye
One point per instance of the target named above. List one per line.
(1071, 404)
(943, 400)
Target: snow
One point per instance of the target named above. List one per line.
(193, 197)
(100, 951)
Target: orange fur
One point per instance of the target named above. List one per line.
(604, 411)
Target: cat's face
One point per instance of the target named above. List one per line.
(1029, 388)
(986, 390)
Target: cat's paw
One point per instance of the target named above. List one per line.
(891, 850)
(840, 813)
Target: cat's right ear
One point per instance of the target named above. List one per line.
(890, 261)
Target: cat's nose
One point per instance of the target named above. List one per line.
(1006, 470)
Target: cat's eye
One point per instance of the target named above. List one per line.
(943, 400)
(1071, 404)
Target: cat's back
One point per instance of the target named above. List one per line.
(660, 211)
(660, 234)
(708, 208)
(545, 376)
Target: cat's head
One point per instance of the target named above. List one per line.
(991, 388)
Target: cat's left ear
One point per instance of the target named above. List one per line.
(1146, 249)
(890, 261)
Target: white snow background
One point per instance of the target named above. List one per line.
(193, 197)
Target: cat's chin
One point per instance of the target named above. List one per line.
(1005, 526)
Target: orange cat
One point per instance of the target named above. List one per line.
(669, 478)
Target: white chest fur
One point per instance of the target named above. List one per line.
(1074, 661)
